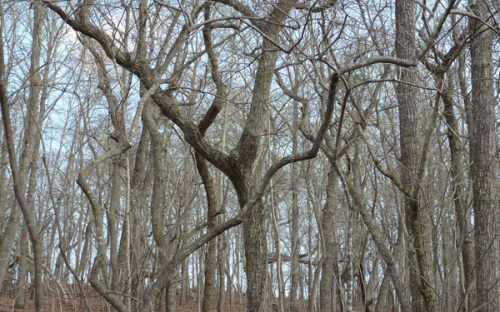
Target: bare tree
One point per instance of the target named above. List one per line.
(417, 220)
(483, 154)
(147, 144)
(24, 170)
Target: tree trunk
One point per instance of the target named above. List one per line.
(327, 282)
(12, 222)
(463, 220)
(484, 162)
(22, 270)
(28, 157)
(211, 253)
(417, 221)
(294, 216)
(254, 235)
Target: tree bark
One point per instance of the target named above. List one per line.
(463, 217)
(484, 162)
(327, 282)
(28, 157)
(254, 235)
(210, 258)
(294, 216)
(417, 221)
(254, 230)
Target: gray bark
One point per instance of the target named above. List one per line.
(484, 162)
(417, 220)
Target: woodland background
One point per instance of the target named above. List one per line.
(268, 155)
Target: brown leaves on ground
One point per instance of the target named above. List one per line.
(68, 299)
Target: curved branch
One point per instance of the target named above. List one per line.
(148, 77)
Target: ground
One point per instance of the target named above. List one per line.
(67, 299)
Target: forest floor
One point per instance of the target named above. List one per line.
(63, 301)
(68, 299)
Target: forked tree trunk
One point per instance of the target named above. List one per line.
(254, 230)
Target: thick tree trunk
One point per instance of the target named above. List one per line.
(484, 162)
(254, 235)
(254, 230)
(417, 221)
